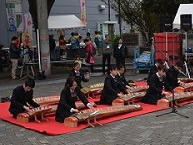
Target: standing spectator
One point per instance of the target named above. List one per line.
(106, 53)
(14, 56)
(90, 54)
(120, 53)
(72, 34)
(75, 44)
(62, 44)
(88, 36)
(98, 41)
(52, 44)
(19, 41)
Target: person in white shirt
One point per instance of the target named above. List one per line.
(156, 84)
(68, 97)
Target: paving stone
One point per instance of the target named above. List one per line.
(43, 141)
(146, 129)
(185, 139)
(19, 135)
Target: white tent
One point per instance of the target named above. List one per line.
(64, 22)
(183, 9)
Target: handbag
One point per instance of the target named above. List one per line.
(91, 60)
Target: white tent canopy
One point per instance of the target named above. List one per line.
(183, 9)
(64, 22)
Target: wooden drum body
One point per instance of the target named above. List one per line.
(44, 102)
(178, 98)
(128, 99)
(139, 89)
(93, 90)
(93, 114)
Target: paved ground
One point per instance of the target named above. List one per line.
(142, 130)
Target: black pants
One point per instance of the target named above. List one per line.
(107, 57)
(119, 61)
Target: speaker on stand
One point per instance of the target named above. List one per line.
(186, 22)
(166, 23)
(186, 25)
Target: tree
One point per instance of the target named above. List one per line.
(145, 15)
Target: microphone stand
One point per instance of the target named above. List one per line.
(173, 109)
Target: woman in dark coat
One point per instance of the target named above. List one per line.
(68, 97)
(156, 84)
(153, 70)
(120, 53)
(112, 88)
(172, 75)
(78, 75)
(90, 54)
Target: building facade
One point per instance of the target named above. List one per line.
(5, 34)
(96, 11)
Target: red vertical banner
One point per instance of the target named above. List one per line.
(27, 29)
(83, 11)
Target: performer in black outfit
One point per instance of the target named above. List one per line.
(68, 97)
(156, 84)
(172, 75)
(112, 88)
(153, 70)
(120, 53)
(21, 99)
(121, 77)
(78, 75)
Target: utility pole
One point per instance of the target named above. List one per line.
(109, 10)
(42, 15)
(119, 11)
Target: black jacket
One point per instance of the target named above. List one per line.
(155, 89)
(67, 101)
(52, 43)
(111, 88)
(122, 80)
(78, 77)
(19, 99)
(120, 53)
(152, 71)
(14, 51)
(172, 77)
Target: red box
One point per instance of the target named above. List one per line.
(168, 46)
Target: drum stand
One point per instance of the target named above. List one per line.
(93, 115)
(173, 109)
(187, 70)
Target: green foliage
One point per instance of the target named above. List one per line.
(115, 40)
(145, 14)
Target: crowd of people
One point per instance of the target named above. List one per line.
(92, 47)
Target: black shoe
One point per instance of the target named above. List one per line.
(59, 120)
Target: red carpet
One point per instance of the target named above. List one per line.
(53, 128)
(141, 83)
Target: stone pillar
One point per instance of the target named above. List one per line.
(5, 35)
(44, 36)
